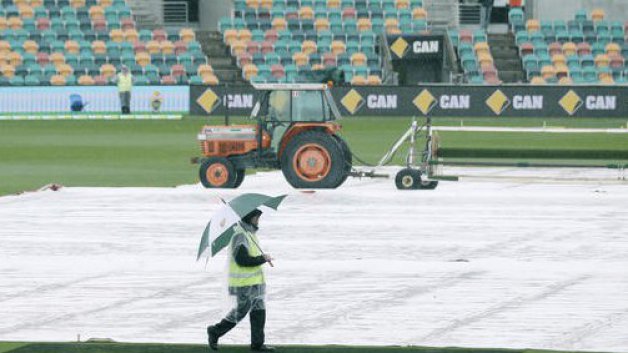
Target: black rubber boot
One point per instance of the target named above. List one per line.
(258, 321)
(216, 331)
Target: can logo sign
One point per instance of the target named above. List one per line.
(425, 47)
(571, 102)
(498, 102)
(209, 101)
(352, 101)
(425, 101)
(400, 47)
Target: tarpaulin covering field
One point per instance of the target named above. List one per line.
(476, 263)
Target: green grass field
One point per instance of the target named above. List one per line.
(157, 153)
(25, 347)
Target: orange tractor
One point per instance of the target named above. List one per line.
(295, 131)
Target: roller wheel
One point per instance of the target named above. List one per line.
(314, 160)
(428, 184)
(217, 172)
(408, 179)
(348, 156)
(240, 173)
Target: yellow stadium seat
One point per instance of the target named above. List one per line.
(19, 3)
(204, 69)
(602, 60)
(210, 79)
(5, 48)
(598, 14)
(3, 23)
(238, 47)
(364, 24)
(606, 79)
(187, 35)
(373, 80)
(321, 24)
(96, 11)
(561, 70)
(37, 3)
(131, 35)
(533, 25)
(14, 23)
(569, 49)
(267, 4)
(57, 80)
(142, 59)
(26, 11)
(30, 46)
(308, 47)
(57, 59)
(333, 3)
(65, 70)
(77, 3)
(229, 36)
(72, 46)
(306, 13)
(245, 35)
(249, 70)
(337, 47)
(548, 71)
(358, 59)
(482, 47)
(85, 80)
(613, 49)
(253, 3)
(8, 70)
(153, 47)
(358, 81)
(107, 70)
(167, 47)
(419, 13)
(316, 67)
(99, 47)
(15, 59)
(116, 35)
(105, 3)
(279, 24)
(402, 4)
(566, 80)
(300, 59)
(559, 59)
(537, 80)
(392, 25)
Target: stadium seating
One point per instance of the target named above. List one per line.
(54, 42)
(585, 50)
(281, 40)
(474, 55)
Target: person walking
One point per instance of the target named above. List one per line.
(247, 284)
(125, 83)
(487, 9)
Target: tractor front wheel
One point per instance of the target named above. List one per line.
(218, 172)
(314, 159)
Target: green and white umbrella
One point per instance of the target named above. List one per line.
(221, 226)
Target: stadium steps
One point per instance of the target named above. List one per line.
(506, 56)
(220, 58)
(148, 14)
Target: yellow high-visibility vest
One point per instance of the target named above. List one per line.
(241, 276)
(125, 82)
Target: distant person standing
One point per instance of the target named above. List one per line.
(125, 83)
(487, 9)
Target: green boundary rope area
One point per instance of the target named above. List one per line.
(25, 347)
(157, 153)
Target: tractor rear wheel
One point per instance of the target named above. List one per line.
(217, 172)
(348, 157)
(314, 159)
(408, 179)
(240, 173)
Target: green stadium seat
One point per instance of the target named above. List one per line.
(17, 81)
(31, 80)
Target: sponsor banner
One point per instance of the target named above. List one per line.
(93, 99)
(440, 101)
(413, 47)
(29, 117)
(214, 100)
